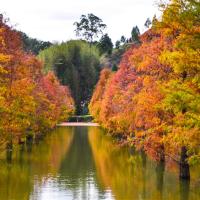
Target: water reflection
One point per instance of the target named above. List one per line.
(160, 169)
(184, 190)
(17, 177)
(130, 175)
(84, 163)
(76, 176)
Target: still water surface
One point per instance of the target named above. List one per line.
(84, 163)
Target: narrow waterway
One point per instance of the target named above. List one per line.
(84, 163)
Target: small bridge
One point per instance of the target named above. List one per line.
(80, 118)
(78, 124)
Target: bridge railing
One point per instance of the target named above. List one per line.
(81, 118)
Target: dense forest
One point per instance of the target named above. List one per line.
(30, 102)
(77, 65)
(153, 100)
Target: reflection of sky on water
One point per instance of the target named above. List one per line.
(54, 189)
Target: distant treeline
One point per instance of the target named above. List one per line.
(33, 45)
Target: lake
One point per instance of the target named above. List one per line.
(85, 163)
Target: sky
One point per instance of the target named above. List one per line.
(52, 20)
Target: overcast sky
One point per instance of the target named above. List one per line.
(53, 19)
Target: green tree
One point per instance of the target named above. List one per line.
(123, 39)
(135, 33)
(89, 27)
(33, 45)
(117, 44)
(105, 45)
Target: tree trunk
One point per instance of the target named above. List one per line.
(9, 148)
(184, 166)
(162, 154)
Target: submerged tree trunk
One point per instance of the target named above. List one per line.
(184, 166)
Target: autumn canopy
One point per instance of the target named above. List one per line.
(153, 100)
(30, 102)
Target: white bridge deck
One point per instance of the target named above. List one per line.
(78, 124)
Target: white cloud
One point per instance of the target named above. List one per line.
(53, 20)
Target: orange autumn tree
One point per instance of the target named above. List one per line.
(25, 102)
(148, 118)
(153, 99)
(181, 20)
(113, 104)
(128, 104)
(54, 102)
(15, 89)
(98, 95)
